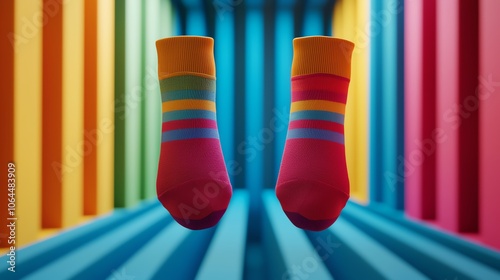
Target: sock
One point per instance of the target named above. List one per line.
(313, 185)
(192, 182)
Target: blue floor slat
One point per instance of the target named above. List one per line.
(427, 255)
(36, 255)
(225, 256)
(386, 264)
(144, 243)
(300, 259)
(147, 261)
(78, 261)
(479, 253)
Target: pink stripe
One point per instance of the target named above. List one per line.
(319, 95)
(326, 125)
(320, 82)
(189, 123)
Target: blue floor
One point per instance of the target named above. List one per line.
(145, 243)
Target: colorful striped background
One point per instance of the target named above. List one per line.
(80, 104)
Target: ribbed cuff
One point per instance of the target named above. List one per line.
(185, 55)
(321, 54)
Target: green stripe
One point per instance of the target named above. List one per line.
(187, 82)
(188, 94)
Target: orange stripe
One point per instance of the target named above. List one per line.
(318, 105)
(90, 106)
(51, 119)
(7, 101)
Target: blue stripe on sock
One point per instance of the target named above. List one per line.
(316, 134)
(317, 115)
(188, 94)
(189, 133)
(188, 114)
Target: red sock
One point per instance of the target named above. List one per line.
(192, 183)
(313, 186)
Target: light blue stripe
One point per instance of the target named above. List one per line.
(283, 54)
(188, 94)
(316, 134)
(189, 133)
(224, 36)
(313, 22)
(195, 22)
(317, 115)
(188, 114)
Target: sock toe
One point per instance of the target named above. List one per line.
(304, 223)
(207, 222)
(197, 204)
(311, 205)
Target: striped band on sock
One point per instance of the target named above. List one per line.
(188, 108)
(317, 109)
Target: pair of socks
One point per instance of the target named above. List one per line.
(313, 184)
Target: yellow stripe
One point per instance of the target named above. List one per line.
(27, 121)
(348, 14)
(188, 104)
(105, 104)
(319, 105)
(72, 113)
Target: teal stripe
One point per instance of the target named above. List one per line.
(189, 133)
(317, 115)
(188, 114)
(188, 94)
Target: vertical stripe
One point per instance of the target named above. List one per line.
(128, 103)
(74, 145)
(196, 22)
(360, 100)
(269, 92)
(392, 105)
(283, 55)
(387, 103)
(167, 19)
(489, 130)
(27, 118)
(313, 22)
(90, 107)
(105, 104)
(151, 109)
(420, 95)
(240, 79)
(256, 139)
(7, 45)
(376, 101)
(52, 167)
(224, 58)
(456, 157)
(349, 18)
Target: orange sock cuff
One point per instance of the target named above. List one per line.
(186, 55)
(322, 54)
